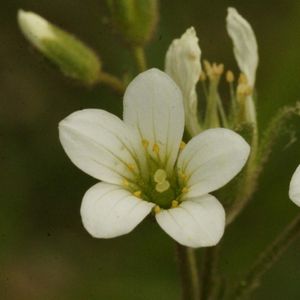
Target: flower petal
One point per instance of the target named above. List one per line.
(101, 145)
(153, 106)
(294, 192)
(244, 44)
(211, 159)
(197, 222)
(183, 65)
(108, 210)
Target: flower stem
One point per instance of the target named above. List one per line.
(266, 260)
(140, 57)
(112, 81)
(209, 277)
(189, 272)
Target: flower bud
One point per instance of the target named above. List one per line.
(74, 58)
(136, 20)
(183, 65)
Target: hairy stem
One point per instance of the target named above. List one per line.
(266, 260)
(210, 276)
(189, 272)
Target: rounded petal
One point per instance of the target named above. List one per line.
(108, 210)
(244, 44)
(101, 145)
(197, 222)
(153, 106)
(294, 192)
(212, 159)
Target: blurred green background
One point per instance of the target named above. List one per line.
(44, 251)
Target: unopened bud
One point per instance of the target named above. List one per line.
(136, 20)
(75, 59)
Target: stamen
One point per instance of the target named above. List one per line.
(182, 145)
(156, 209)
(160, 175)
(244, 89)
(185, 190)
(202, 76)
(125, 183)
(145, 144)
(162, 186)
(175, 203)
(229, 76)
(182, 175)
(131, 167)
(155, 148)
(137, 194)
(243, 79)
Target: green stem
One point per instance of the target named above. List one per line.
(209, 276)
(112, 81)
(248, 184)
(266, 260)
(140, 57)
(211, 114)
(189, 272)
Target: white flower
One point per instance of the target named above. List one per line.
(294, 192)
(245, 51)
(145, 167)
(183, 65)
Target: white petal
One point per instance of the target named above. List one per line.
(183, 65)
(153, 106)
(244, 44)
(100, 144)
(294, 192)
(197, 222)
(108, 210)
(211, 159)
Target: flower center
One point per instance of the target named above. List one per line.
(162, 184)
(165, 189)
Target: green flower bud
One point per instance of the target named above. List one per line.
(136, 20)
(75, 59)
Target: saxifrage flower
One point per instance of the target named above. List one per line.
(145, 167)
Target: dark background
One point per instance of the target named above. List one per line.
(44, 251)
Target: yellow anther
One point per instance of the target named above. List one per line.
(184, 190)
(182, 145)
(244, 89)
(137, 194)
(160, 175)
(155, 148)
(156, 209)
(145, 143)
(162, 186)
(243, 79)
(125, 182)
(207, 66)
(183, 176)
(131, 167)
(229, 76)
(202, 76)
(214, 71)
(175, 203)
